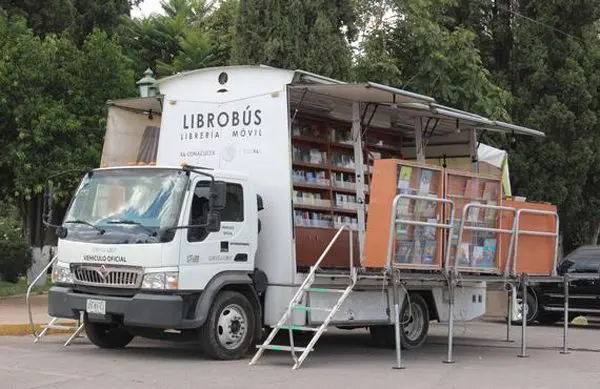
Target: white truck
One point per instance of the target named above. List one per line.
(190, 228)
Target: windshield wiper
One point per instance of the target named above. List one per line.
(133, 222)
(100, 230)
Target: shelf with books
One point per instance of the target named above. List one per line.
(478, 250)
(418, 245)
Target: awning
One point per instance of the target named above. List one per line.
(404, 106)
(142, 104)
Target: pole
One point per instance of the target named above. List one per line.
(451, 287)
(524, 313)
(396, 292)
(565, 349)
(511, 294)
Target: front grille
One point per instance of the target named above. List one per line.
(114, 277)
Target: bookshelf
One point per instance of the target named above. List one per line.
(478, 251)
(324, 183)
(415, 247)
(418, 246)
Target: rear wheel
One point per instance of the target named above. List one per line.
(106, 335)
(529, 306)
(414, 325)
(229, 328)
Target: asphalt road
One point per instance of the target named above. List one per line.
(343, 359)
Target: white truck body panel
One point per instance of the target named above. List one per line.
(244, 129)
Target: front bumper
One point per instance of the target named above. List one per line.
(141, 310)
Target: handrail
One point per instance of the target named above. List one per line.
(462, 228)
(394, 220)
(535, 233)
(30, 288)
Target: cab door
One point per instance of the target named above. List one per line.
(204, 254)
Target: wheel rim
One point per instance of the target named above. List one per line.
(413, 322)
(520, 306)
(231, 326)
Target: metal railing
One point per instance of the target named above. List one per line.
(394, 221)
(519, 232)
(463, 227)
(52, 323)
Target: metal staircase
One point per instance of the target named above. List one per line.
(286, 321)
(54, 323)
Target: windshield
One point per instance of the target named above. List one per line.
(147, 198)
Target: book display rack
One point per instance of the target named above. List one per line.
(324, 181)
(477, 250)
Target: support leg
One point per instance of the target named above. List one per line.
(397, 318)
(80, 329)
(451, 290)
(524, 313)
(565, 349)
(511, 291)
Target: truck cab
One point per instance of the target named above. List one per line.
(146, 249)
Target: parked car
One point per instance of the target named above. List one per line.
(545, 301)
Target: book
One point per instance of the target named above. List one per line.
(429, 232)
(462, 254)
(429, 252)
(490, 214)
(477, 258)
(403, 252)
(473, 215)
(405, 173)
(425, 181)
(429, 208)
(489, 253)
(417, 252)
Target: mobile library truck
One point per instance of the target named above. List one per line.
(246, 197)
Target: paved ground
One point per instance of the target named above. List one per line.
(342, 360)
(13, 310)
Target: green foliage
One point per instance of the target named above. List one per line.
(16, 255)
(191, 34)
(308, 34)
(75, 18)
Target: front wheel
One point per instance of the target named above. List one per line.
(108, 336)
(229, 328)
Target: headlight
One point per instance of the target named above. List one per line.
(61, 273)
(167, 281)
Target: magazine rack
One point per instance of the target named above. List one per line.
(416, 245)
(478, 247)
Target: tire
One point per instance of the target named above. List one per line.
(229, 329)
(109, 336)
(532, 308)
(414, 326)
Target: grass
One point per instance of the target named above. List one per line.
(9, 289)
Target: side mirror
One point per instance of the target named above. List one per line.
(218, 195)
(259, 202)
(61, 232)
(213, 222)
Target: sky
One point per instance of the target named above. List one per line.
(146, 8)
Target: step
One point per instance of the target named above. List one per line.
(306, 308)
(60, 327)
(325, 290)
(299, 328)
(275, 347)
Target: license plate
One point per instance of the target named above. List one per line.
(96, 306)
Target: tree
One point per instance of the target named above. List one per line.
(310, 34)
(555, 81)
(435, 56)
(191, 34)
(76, 18)
(52, 101)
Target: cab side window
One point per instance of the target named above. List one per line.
(233, 211)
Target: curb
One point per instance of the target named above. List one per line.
(25, 329)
